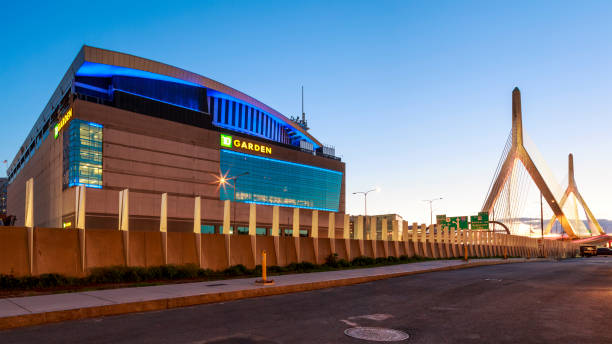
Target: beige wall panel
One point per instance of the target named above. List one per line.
(104, 248)
(56, 251)
(14, 251)
(265, 243)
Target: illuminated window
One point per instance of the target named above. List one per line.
(83, 154)
(277, 182)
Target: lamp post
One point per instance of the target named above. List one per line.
(431, 208)
(223, 180)
(365, 199)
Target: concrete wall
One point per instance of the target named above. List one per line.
(63, 251)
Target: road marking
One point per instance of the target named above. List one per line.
(350, 323)
(375, 317)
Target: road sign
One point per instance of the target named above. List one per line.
(480, 221)
(453, 223)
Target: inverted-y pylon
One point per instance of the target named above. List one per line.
(572, 189)
(518, 152)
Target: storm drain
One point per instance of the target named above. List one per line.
(215, 285)
(376, 334)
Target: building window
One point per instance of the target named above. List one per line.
(82, 154)
(277, 182)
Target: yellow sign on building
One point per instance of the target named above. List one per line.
(229, 142)
(62, 122)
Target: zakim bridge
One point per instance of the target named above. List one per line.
(521, 167)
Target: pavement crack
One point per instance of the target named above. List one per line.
(99, 298)
(18, 305)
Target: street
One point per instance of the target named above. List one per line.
(568, 301)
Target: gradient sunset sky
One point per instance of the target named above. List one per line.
(414, 95)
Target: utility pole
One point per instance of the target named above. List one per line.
(365, 199)
(431, 208)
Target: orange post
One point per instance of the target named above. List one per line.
(264, 276)
(264, 273)
(465, 253)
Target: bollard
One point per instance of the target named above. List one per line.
(505, 253)
(264, 274)
(465, 253)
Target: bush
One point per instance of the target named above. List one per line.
(332, 260)
(236, 270)
(343, 263)
(123, 274)
(362, 261)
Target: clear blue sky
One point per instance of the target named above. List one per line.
(415, 96)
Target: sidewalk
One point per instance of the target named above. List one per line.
(34, 310)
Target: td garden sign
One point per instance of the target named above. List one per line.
(229, 142)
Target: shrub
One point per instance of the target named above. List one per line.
(332, 260)
(362, 261)
(236, 270)
(343, 263)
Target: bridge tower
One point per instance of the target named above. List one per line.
(518, 153)
(572, 190)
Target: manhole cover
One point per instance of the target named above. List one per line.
(376, 334)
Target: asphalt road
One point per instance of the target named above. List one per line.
(546, 302)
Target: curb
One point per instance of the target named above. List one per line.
(175, 302)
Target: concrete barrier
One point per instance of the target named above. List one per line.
(73, 252)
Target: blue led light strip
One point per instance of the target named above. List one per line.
(281, 161)
(86, 185)
(287, 205)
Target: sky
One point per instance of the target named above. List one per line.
(414, 95)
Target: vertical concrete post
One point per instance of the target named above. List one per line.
(197, 228)
(441, 253)
(452, 235)
(467, 241)
(197, 215)
(296, 233)
(124, 221)
(79, 219)
(384, 235)
(226, 230)
(163, 214)
(314, 233)
(395, 237)
(79, 207)
(124, 210)
(415, 239)
(347, 235)
(358, 234)
(29, 204)
(373, 235)
(432, 241)
(253, 230)
(447, 244)
(331, 232)
(29, 221)
(406, 239)
(163, 226)
(275, 231)
(424, 240)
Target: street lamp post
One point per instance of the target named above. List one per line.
(431, 208)
(224, 180)
(365, 199)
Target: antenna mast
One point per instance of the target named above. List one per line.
(303, 113)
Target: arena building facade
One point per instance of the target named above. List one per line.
(117, 121)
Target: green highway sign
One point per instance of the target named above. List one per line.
(478, 222)
(453, 223)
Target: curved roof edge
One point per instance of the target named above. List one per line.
(109, 57)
